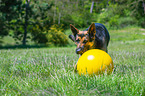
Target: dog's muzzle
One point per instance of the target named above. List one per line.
(79, 51)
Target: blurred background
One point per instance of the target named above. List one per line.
(33, 23)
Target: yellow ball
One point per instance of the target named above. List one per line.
(94, 61)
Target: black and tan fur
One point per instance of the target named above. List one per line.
(94, 37)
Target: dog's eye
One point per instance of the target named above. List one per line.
(85, 41)
(77, 40)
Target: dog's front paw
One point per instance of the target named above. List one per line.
(75, 68)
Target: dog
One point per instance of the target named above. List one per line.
(94, 37)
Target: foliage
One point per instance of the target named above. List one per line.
(138, 11)
(126, 21)
(37, 35)
(109, 16)
(3, 26)
(56, 36)
(18, 17)
(53, 36)
(8, 12)
(112, 19)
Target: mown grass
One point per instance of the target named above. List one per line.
(49, 71)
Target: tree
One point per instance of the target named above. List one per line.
(8, 14)
(26, 21)
(137, 8)
(91, 9)
(143, 6)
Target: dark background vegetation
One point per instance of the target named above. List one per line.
(43, 22)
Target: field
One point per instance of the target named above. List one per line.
(49, 71)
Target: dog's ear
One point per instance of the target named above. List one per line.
(72, 38)
(74, 30)
(92, 31)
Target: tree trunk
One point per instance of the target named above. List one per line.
(107, 2)
(143, 6)
(55, 12)
(91, 10)
(59, 18)
(26, 23)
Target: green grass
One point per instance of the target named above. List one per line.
(49, 71)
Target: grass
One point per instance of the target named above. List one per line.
(49, 71)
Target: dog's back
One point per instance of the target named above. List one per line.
(102, 36)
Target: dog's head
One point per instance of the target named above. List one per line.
(83, 39)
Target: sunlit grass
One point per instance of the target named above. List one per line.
(49, 71)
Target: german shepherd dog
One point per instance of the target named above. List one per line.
(94, 37)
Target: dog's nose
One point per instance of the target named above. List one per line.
(78, 50)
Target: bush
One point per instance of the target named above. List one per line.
(109, 16)
(52, 37)
(112, 19)
(141, 22)
(113, 22)
(127, 21)
(38, 35)
(56, 37)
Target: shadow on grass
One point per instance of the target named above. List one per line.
(22, 46)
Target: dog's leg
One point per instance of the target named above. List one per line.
(75, 68)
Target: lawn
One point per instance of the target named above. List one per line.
(49, 71)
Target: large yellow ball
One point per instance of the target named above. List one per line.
(94, 61)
